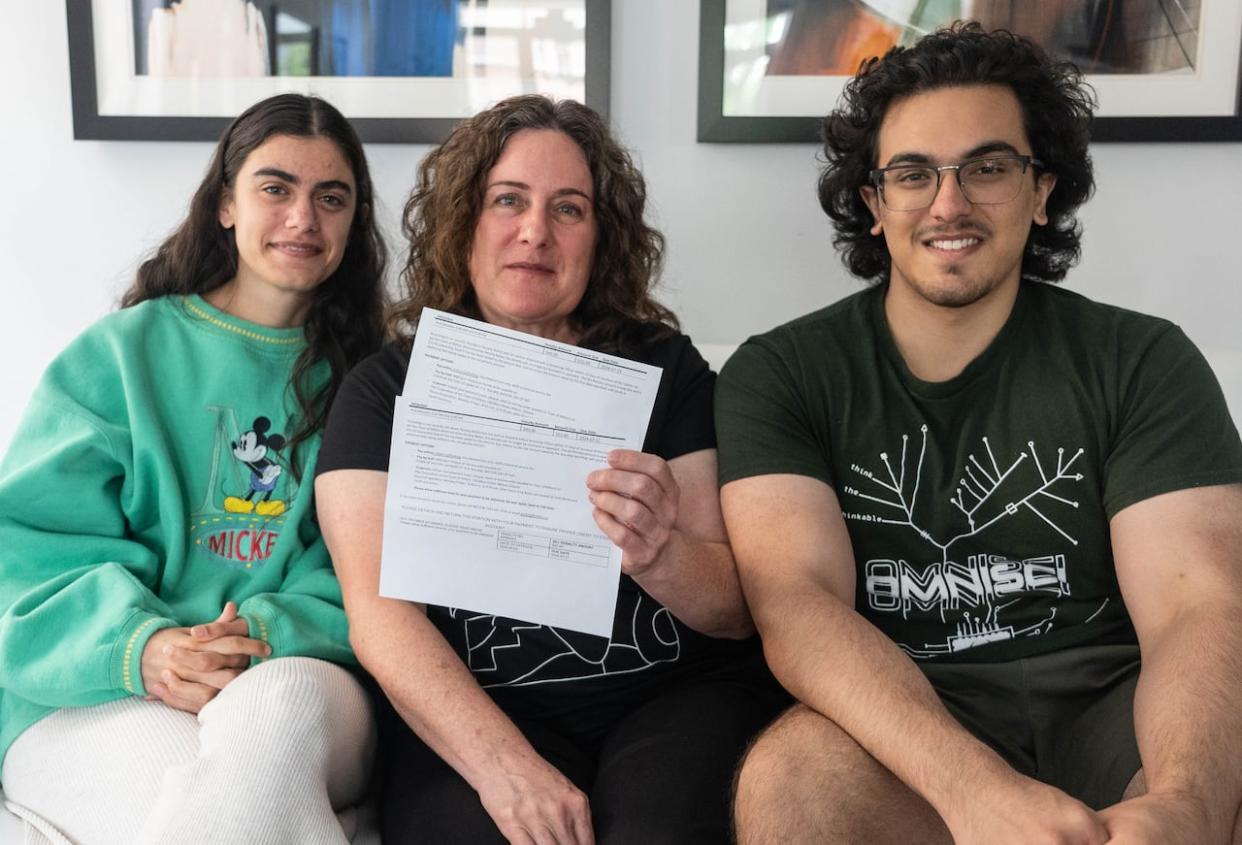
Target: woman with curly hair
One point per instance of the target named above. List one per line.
(530, 216)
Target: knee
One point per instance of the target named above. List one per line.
(769, 772)
(792, 776)
(294, 696)
(290, 684)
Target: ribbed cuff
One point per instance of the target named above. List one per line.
(126, 667)
(260, 617)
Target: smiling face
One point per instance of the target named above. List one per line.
(534, 240)
(291, 206)
(952, 253)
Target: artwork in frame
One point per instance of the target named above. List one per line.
(403, 71)
(1163, 70)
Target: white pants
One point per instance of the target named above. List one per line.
(271, 759)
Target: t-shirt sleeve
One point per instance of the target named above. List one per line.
(681, 421)
(358, 433)
(1174, 430)
(762, 418)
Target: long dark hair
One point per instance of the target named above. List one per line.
(617, 308)
(345, 321)
(1056, 110)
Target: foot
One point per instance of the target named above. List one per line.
(233, 504)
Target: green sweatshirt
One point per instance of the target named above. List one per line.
(149, 483)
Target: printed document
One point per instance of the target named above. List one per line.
(492, 441)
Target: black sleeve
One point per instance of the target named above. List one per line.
(1176, 431)
(681, 421)
(358, 433)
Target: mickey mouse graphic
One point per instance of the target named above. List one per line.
(252, 449)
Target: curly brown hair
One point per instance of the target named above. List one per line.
(439, 220)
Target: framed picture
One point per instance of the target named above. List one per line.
(403, 71)
(1163, 70)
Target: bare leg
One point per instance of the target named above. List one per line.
(806, 781)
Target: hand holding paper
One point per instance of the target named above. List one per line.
(635, 502)
(492, 440)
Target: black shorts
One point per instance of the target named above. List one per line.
(1066, 718)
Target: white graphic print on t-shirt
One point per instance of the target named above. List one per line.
(504, 652)
(974, 593)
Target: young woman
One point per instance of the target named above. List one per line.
(170, 621)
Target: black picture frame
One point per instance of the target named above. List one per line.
(89, 124)
(715, 127)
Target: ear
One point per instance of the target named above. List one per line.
(872, 198)
(1044, 184)
(225, 213)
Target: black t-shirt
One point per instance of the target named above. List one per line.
(535, 670)
(978, 508)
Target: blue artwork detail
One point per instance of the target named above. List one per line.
(393, 37)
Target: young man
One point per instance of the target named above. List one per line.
(963, 501)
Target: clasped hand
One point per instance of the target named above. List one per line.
(186, 667)
(1164, 818)
(635, 503)
(1024, 810)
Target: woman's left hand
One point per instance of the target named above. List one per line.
(635, 503)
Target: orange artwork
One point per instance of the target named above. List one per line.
(831, 39)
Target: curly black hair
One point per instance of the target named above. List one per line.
(1056, 108)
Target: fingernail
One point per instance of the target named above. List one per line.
(267, 650)
(198, 631)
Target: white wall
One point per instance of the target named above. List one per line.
(748, 245)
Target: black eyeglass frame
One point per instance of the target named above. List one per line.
(877, 176)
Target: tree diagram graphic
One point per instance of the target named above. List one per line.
(976, 592)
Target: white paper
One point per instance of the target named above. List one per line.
(492, 441)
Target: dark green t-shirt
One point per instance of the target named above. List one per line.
(978, 507)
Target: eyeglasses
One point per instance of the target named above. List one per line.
(984, 181)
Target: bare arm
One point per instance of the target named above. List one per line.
(427, 683)
(797, 569)
(666, 518)
(1179, 564)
